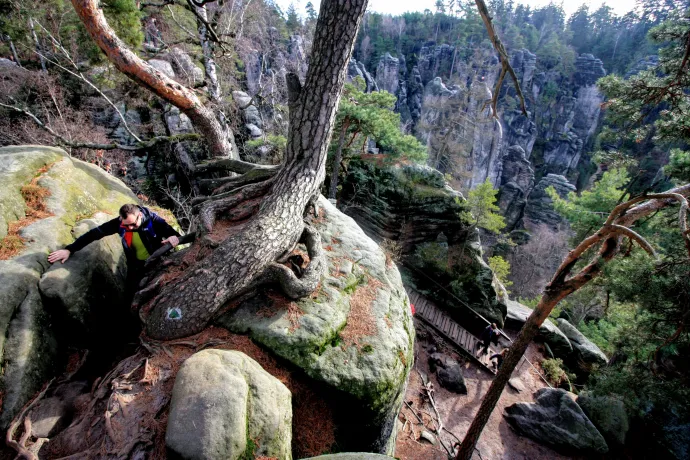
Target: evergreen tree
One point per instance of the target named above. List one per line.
(293, 21)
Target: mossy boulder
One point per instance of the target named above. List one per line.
(354, 334)
(555, 419)
(586, 353)
(548, 332)
(225, 406)
(27, 332)
(608, 414)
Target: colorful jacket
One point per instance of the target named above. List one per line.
(153, 230)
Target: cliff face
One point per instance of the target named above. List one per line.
(444, 100)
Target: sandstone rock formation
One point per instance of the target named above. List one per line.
(586, 352)
(548, 332)
(354, 335)
(77, 190)
(556, 420)
(225, 406)
(539, 208)
(608, 414)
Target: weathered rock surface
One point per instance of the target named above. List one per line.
(225, 406)
(517, 181)
(548, 332)
(413, 206)
(588, 70)
(448, 372)
(354, 334)
(387, 78)
(95, 275)
(357, 69)
(77, 190)
(608, 415)
(556, 420)
(185, 68)
(449, 375)
(539, 209)
(250, 114)
(587, 353)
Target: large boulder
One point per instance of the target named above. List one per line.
(586, 352)
(27, 331)
(548, 332)
(225, 406)
(608, 415)
(354, 335)
(556, 420)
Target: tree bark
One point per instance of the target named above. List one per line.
(336, 162)
(241, 262)
(160, 84)
(560, 287)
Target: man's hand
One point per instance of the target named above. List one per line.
(173, 240)
(61, 254)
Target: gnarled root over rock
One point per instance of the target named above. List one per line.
(291, 285)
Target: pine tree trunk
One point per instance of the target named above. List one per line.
(240, 262)
(142, 73)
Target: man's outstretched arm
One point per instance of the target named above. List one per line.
(108, 228)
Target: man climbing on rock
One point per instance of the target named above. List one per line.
(142, 232)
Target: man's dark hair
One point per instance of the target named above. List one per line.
(128, 209)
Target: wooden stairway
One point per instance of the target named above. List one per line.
(442, 322)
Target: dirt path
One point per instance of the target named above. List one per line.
(498, 440)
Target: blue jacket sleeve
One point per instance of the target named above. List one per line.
(109, 228)
(162, 228)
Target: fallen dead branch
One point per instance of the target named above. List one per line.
(24, 452)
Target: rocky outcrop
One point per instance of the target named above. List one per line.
(587, 353)
(517, 181)
(539, 208)
(414, 207)
(253, 123)
(225, 406)
(588, 70)
(555, 419)
(448, 373)
(93, 276)
(608, 414)
(548, 332)
(435, 61)
(357, 69)
(354, 335)
(29, 338)
(387, 78)
(185, 68)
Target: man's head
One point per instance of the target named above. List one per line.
(493, 325)
(130, 216)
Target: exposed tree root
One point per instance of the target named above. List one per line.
(292, 286)
(226, 184)
(24, 452)
(209, 210)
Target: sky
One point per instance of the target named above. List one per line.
(394, 7)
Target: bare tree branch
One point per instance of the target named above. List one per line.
(503, 56)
